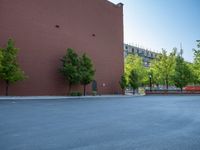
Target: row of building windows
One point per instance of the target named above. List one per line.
(145, 54)
(139, 51)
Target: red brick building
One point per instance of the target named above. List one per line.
(44, 29)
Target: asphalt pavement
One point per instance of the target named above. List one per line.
(107, 123)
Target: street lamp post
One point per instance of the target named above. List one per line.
(150, 77)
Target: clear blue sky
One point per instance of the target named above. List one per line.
(157, 24)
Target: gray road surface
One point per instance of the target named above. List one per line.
(137, 123)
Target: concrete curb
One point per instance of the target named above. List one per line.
(63, 97)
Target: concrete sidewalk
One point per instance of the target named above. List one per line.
(63, 97)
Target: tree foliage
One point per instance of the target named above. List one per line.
(196, 65)
(182, 75)
(123, 82)
(134, 80)
(10, 70)
(166, 69)
(70, 67)
(77, 70)
(163, 67)
(86, 71)
(134, 62)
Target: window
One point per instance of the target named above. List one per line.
(145, 53)
(132, 50)
(150, 54)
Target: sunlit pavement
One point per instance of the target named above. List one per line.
(106, 123)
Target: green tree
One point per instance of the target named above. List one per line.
(196, 65)
(134, 80)
(182, 75)
(86, 71)
(154, 72)
(123, 82)
(1, 57)
(10, 70)
(163, 67)
(134, 62)
(193, 75)
(70, 68)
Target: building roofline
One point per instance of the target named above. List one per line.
(146, 49)
(115, 5)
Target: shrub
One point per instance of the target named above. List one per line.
(94, 93)
(75, 93)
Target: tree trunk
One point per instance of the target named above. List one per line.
(157, 85)
(7, 85)
(133, 91)
(123, 91)
(84, 88)
(167, 84)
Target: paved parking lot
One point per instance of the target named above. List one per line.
(130, 123)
